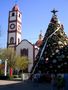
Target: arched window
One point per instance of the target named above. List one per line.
(24, 52)
(11, 40)
(13, 14)
(18, 40)
(19, 15)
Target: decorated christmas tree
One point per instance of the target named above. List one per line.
(53, 53)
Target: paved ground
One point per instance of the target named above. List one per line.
(7, 82)
(26, 85)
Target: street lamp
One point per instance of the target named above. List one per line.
(5, 69)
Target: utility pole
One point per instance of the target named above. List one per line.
(5, 69)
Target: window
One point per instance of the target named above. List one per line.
(13, 14)
(18, 40)
(19, 15)
(11, 40)
(24, 52)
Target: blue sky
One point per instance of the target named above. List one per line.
(36, 16)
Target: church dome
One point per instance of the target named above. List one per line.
(15, 8)
(39, 41)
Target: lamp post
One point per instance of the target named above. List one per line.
(0, 61)
(5, 69)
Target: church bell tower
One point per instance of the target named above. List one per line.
(14, 27)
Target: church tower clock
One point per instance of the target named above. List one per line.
(14, 27)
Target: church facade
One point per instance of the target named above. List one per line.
(22, 47)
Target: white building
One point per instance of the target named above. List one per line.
(22, 47)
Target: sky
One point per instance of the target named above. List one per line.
(36, 16)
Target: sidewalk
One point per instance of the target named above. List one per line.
(6, 82)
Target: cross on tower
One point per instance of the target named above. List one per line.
(54, 11)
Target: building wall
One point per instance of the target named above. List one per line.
(12, 17)
(19, 16)
(19, 27)
(18, 37)
(11, 35)
(25, 44)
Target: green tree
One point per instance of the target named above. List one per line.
(22, 63)
(10, 55)
(14, 61)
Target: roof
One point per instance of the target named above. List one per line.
(39, 42)
(15, 8)
(27, 41)
(36, 47)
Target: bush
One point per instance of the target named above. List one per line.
(15, 76)
(4, 77)
(1, 72)
(9, 77)
(60, 82)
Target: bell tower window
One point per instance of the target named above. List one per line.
(13, 14)
(11, 40)
(18, 40)
(19, 15)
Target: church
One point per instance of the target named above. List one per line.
(22, 47)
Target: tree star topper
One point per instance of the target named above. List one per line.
(54, 11)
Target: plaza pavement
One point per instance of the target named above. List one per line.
(23, 85)
(7, 82)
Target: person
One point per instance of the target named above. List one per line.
(53, 81)
(36, 76)
(60, 83)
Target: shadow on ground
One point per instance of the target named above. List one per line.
(27, 85)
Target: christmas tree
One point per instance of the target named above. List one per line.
(53, 53)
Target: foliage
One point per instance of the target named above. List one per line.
(22, 63)
(60, 82)
(14, 61)
(10, 55)
(1, 72)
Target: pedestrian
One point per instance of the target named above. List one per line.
(60, 83)
(53, 81)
